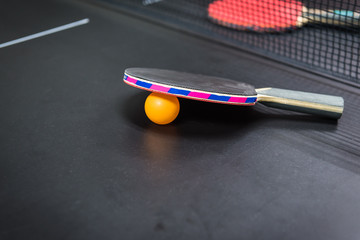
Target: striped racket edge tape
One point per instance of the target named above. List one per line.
(184, 93)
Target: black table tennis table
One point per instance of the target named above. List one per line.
(80, 160)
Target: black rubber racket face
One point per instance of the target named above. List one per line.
(194, 86)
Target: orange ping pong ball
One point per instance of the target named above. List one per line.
(161, 108)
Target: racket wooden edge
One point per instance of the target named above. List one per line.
(302, 20)
(253, 99)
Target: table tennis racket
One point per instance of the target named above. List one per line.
(227, 91)
(274, 15)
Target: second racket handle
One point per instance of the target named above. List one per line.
(312, 103)
(333, 17)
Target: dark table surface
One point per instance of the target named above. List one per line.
(80, 160)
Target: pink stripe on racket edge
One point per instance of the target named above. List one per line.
(199, 95)
(159, 88)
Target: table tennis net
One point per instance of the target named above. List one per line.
(321, 36)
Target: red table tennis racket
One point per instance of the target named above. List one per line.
(226, 91)
(274, 15)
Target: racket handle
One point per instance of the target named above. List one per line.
(333, 17)
(317, 104)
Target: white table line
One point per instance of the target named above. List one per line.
(47, 32)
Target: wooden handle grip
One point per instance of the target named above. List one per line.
(318, 104)
(334, 17)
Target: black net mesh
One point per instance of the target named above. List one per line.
(321, 35)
